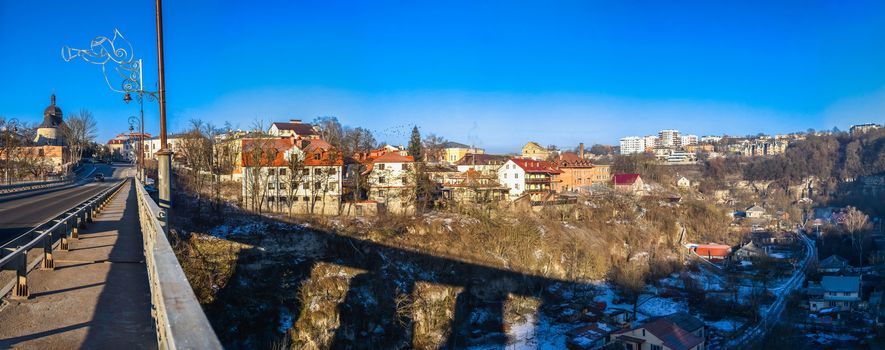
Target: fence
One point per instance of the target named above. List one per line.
(180, 321)
(61, 228)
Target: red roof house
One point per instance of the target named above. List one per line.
(712, 251)
(628, 182)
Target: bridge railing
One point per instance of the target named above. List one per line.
(51, 234)
(180, 321)
(31, 184)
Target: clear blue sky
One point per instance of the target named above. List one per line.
(495, 74)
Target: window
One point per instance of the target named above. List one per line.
(317, 185)
(656, 347)
(316, 156)
(382, 180)
(517, 186)
(516, 175)
(284, 200)
(270, 199)
(317, 171)
(305, 198)
(643, 332)
(271, 186)
(283, 171)
(271, 171)
(381, 166)
(283, 185)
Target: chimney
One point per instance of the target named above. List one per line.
(295, 121)
(581, 150)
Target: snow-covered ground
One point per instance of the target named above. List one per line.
(726, 325)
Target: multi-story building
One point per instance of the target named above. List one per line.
(669, 138)
(577, 173)
(651, 141)
(391, 182)
(533, 150)
(700, 148)
(294, 128)
(453, 151)
(528, 176)
(838, 291)
(152, 145)
(288, 175)
(710, 139)
(862, 128)
(125, 146)
(689, 140)
(471, 186)
(758, 147)
(632, 145)
(486, 164)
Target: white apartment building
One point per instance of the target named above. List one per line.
(632, 145)
(711, 139)
(689, 140)
(669, 138)
(650, 141)
(391, 182)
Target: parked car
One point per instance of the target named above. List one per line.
(99, 177)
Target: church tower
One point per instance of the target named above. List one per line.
(48, 133)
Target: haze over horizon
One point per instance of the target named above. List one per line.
(493, 74)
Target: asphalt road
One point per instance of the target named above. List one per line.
(17, 216)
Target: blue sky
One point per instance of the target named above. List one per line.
(495, 74)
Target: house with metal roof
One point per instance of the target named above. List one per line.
(659, 334)
(838, 291)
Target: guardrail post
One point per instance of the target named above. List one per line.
(63, 243)
(48, 262)
(21, 278)
(81, 223)
(89, 213)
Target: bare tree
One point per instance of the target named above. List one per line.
(357, 142)
(259, 154)
(433, 148)
(330, 129)
(857, 224)
(79, 131)
(295, 168)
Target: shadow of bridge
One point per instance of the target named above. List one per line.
(269, 278)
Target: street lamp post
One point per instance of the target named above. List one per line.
(116, 54)
(164, 156)
(133, 148)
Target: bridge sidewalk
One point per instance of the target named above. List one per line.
(98, 295)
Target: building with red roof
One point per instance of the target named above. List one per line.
(716, 252)
(288, 174)
(391, 181)
(628, 183)
(529, 176)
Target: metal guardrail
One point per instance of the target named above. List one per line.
(22, 186)
(180, 320)
(14, 254)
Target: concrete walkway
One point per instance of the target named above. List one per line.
(98, 295)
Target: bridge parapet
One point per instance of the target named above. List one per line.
(180, 320)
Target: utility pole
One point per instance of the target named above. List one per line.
(164, 167)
